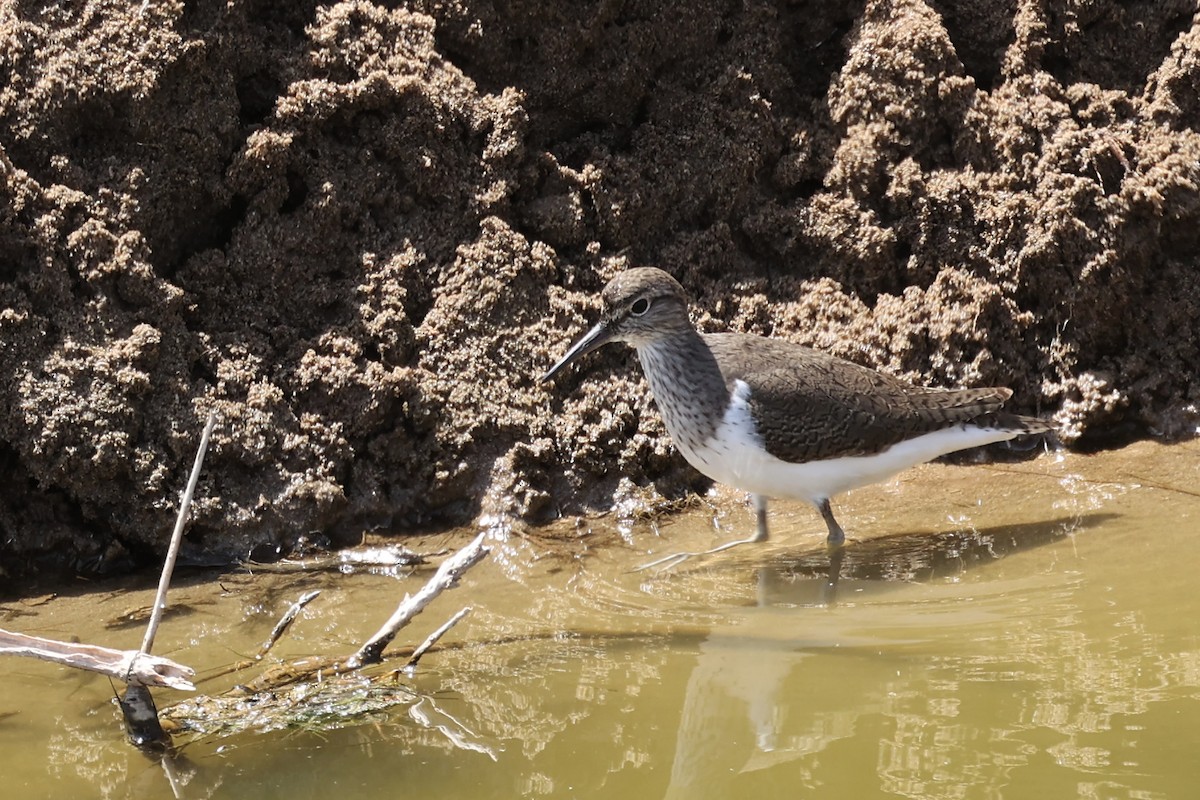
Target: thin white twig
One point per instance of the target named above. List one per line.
(432, 639)
(286, 621)
(185, 505)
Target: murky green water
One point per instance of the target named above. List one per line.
(995, 632)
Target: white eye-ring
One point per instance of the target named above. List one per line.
(639, 307)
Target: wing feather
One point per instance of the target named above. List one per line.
(810, 405)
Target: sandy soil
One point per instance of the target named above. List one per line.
(361, 233)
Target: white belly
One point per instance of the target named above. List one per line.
(735, 456)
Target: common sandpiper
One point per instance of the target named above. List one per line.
(777, 419)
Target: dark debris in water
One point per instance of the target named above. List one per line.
(325, 703)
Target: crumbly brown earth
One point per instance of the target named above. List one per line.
(360, 233)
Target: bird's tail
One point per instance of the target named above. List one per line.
(1017, 423)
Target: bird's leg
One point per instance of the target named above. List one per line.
(836, 534)
(837, 552)
(760, 535)
(760, 513)
(835, 544)
(760, 531)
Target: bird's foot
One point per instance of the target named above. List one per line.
(675, 559)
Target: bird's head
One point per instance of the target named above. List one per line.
(640, 306)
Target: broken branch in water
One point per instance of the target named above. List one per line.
(286, 621)
(129, 666)
(321, 691)
(137, 704)
(446, 576)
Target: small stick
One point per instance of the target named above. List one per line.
(286, 621)
(445, 577)
(185, 505)
(432, 639)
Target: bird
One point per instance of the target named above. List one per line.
(778, 419)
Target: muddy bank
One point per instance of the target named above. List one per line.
(360, 233)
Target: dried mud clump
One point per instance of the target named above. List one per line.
(360, 233)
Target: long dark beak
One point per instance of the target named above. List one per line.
(596, 337)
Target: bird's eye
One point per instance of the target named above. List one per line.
(639, 307)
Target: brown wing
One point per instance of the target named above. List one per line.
(818, 406)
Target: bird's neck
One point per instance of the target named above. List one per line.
(687, 384)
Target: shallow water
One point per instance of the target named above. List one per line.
(1005, 631)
